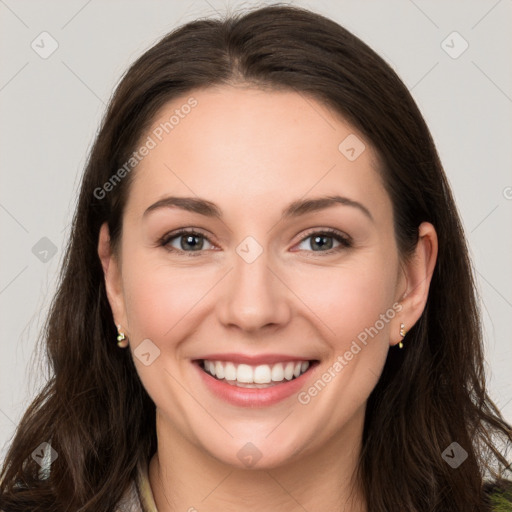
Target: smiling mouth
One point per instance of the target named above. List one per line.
(256, 376)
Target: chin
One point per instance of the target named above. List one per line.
(265, 452)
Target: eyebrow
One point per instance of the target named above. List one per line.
(294, 209)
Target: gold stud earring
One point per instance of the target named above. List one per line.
(122, 342)
(403, 332)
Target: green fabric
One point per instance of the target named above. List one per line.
(501, 503)
(501, 500)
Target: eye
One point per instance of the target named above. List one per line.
(324, 240)
(190, 239)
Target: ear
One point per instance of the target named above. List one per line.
(417, 275)
(113, 282)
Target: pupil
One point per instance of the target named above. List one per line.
(316, 238)
(190, 240)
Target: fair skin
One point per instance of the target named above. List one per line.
(252, 153)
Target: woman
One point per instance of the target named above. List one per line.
(318, 348)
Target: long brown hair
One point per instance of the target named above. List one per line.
(95, 412)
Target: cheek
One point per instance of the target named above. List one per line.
(346, 300)
(159, 297)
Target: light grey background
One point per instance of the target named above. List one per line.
(51, 109)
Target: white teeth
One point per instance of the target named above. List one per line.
(255, 376)
(219, 370)
(230, 371)
(244, 373)
(262, 374)
(277, 372)
(288, 371)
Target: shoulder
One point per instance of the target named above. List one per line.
(138, 497)
(499, 495)
(130, 501)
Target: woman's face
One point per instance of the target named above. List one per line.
(267, 284)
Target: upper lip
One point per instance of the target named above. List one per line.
(254, 360)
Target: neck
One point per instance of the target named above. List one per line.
(185, 478)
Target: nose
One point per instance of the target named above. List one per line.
(254, 296)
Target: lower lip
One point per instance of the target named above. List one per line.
(254, 397)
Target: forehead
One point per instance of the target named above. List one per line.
(256, 148)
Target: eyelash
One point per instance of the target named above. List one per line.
(344, 240)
